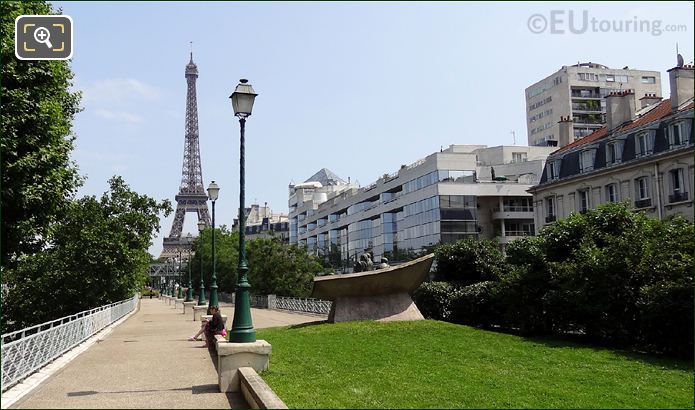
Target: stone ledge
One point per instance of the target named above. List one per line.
(188, 305)
(198, 311)
(256, 392)
(225, 348)
(232, 356)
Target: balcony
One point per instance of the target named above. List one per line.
(643, 203)
(513, 212)
(549, 219)
(677, 197)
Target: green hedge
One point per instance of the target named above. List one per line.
(612, 275)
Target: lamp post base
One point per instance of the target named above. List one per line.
(242, 335)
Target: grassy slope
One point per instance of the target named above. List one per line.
(437, 364)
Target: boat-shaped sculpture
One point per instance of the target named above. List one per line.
(382, 294)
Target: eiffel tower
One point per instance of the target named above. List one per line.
(192, 196)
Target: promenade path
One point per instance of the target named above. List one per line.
(147, 362)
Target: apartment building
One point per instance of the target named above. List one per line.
(463, 191)
(643, 155)
(262, 222)
(579, 92)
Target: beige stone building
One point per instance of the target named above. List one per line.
(643, 155)
(578, 92)
(262, 222)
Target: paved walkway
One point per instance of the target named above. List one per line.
(146, 362)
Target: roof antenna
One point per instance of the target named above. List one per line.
(191, 50)
(513, 136)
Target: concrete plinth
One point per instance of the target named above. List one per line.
(381, 307)
(232, 356)
(188, 306)
(198, 311)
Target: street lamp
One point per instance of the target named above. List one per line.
(201, 295)
(242, 327)
(170, 265)
(189, 293)
(213, 193)
(179, 294)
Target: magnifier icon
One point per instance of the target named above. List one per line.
(42, 35)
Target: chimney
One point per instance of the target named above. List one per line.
(649, 99)
(681, 79)
(620, 108)
(566, 131)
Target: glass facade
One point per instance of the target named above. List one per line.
(439, 176)
(293, 230)
(359, 236)
(389, 223)
(458, 215)
(420, 224)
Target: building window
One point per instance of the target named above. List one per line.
(519, 157)
(614, 152)
(554, 170)
(583, 199)
(612, 193)
(678, 192)
(586, 160)
(676, 135)
(648, 80)
(550, 209)
(621, 78)
(644, 144)
(642, 193)
(610, 78)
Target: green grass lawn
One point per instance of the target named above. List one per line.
(437, 364)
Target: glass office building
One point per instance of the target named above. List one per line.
(465, 191)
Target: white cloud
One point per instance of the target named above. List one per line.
(119, 90)
(120, 116)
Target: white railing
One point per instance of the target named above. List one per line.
(27, 350)
(322, 307)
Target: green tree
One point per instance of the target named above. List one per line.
(38, 177)
(468, 261)
(276, 268)
(97, 255)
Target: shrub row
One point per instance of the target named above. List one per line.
(614, 276)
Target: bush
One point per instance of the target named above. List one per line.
(475, 305)
(469, 261)
(613, 275)
(433, 299)
(665, 318)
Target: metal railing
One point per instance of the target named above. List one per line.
(306, 305)
(27, 350)
(322, 307)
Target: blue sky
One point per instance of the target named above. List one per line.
(359, 88)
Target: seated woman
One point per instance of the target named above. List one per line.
(215, 326)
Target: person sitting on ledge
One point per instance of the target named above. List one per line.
(214, 326)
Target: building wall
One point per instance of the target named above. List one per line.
(655, 169)
(558, 87)
(446, 196)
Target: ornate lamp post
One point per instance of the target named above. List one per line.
(213, 194)
(166, 283)
(201, 295)
(179, 294)
(242, 327)
(189, 293)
